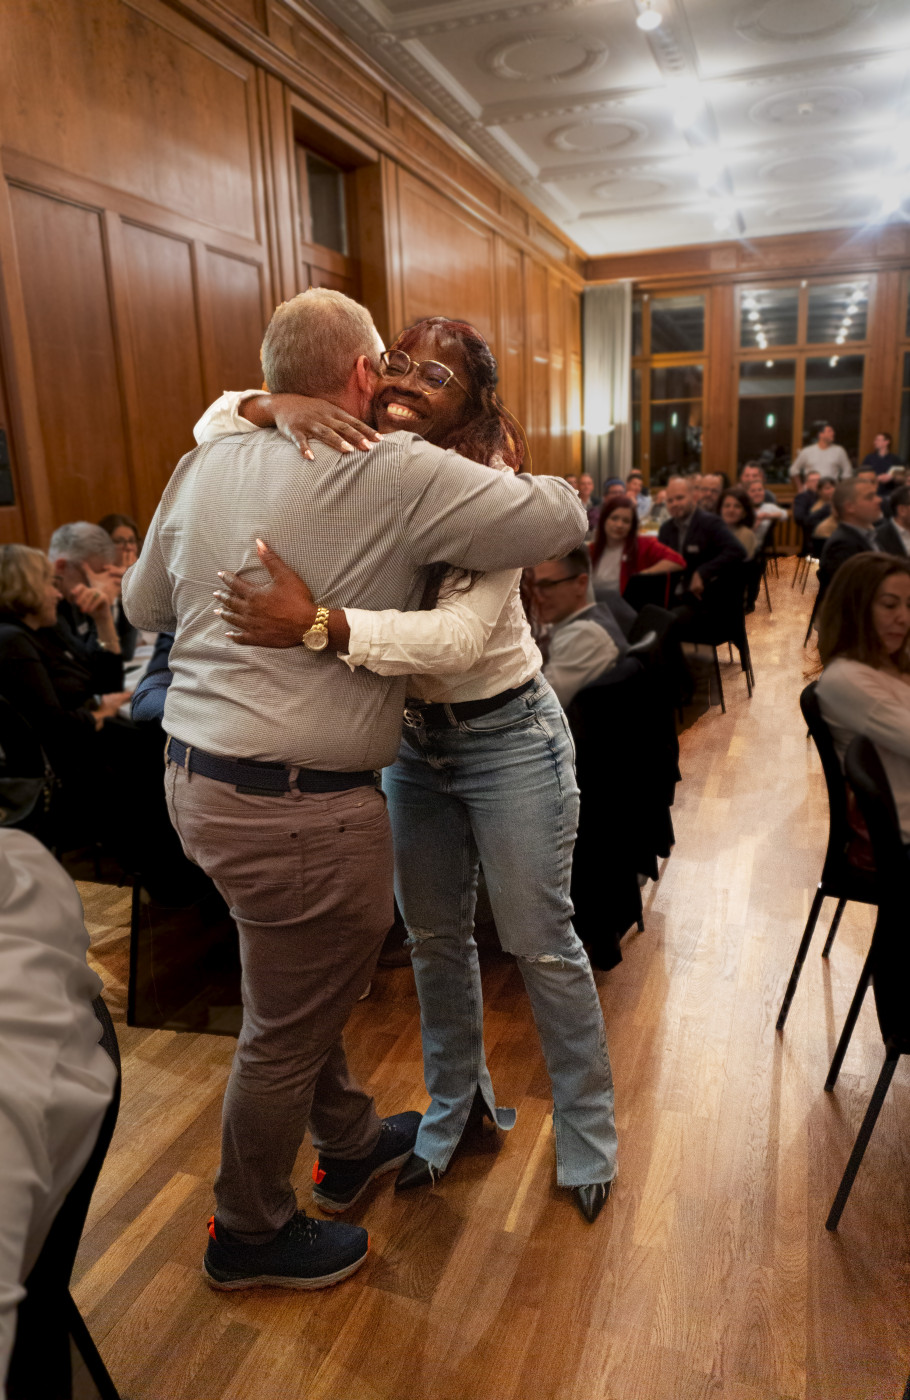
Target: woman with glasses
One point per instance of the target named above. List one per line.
(484, 775)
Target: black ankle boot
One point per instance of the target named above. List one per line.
(415, 1172)
(592, 1199)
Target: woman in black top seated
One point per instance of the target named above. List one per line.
(109, 769)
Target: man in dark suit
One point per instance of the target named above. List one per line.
(858, 510)
(703, 540)
(893, 536)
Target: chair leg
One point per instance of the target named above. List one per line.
(764, 579)
(862, 1141)
(801, 952)
(730, 650)
(723, 706)
(856, 1005)
(96, 1368)
(835, 925)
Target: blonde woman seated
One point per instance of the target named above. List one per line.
(738, 514)
(864, 688)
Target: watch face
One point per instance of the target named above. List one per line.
(316, 641)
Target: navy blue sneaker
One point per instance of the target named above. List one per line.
(306, 1253)
(338, 1184)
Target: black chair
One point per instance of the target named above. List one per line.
(721, 621)
(889, 956)
(49, 1323)
(839, 879)
(658, 590)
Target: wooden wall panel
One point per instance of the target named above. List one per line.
(574, 380)
(65, 288)
(448, 260)
(510, 340)
(166, 357)
(134, 105)
(558, 443)
(238, 318)
(537, 422)
(12, 517)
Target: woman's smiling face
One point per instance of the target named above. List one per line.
(401, 401)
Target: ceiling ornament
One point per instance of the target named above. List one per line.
(493, 15)
(811, 106)
(629, 190)
(800, 21)
(600, 133)
(807, 167)
(576, 54)
(807, 210)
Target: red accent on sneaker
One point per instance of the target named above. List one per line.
(318, 1173)
(212, 1226)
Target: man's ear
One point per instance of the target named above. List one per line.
(366, 375)
(59, 566)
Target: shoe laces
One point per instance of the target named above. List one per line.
(302, 1228)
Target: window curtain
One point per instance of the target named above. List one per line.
(607, 360)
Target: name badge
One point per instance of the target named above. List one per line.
(692, 549)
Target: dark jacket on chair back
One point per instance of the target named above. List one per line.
(889, 540)
(841, 545)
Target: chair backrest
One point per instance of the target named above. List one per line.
(890, 952)
(658, 589)
(839, 830)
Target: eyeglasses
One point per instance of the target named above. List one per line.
(431, 375)
(547, 584)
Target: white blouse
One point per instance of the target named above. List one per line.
(857, 699)
(475, 643)
(609, 566)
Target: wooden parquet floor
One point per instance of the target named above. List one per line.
(710, 1274)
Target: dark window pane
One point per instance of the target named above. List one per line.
(677, 323)
(834, 395)
(677, 382)
(636, 436)
(768, 316)
(835, 372)
(327, 212)
(837, 312)
(675, 438)
(636, 326)
(907, 371)
(636, 386)
(760, 377)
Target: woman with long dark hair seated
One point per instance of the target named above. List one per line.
(484, 776)
(864, 648)
(618, 551)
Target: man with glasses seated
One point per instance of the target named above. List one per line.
(584, 639)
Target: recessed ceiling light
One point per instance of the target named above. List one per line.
(648, 17)
(769, 364)
(839, 339)
(833, 360)
(750, 303)
(754, 316)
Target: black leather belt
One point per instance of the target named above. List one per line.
(438, 716)
(261, 779)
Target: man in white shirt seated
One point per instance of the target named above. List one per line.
(57, 1080)
(584, 641)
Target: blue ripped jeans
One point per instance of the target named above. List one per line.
(499, 792)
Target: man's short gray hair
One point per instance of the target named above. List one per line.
(313, 341)
(79, 541)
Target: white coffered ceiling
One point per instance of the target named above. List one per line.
(733, 116)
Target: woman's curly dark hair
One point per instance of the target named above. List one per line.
(489, 430)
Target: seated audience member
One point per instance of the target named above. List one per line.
(805, 499)
(712, 490)
(858, 509)
(580, 642)
(707, 546)
(124, 532)
(822, 519)
(864, 688)
(82, 556)
(618, 551)
(738, 514)
(893, 536)
(766, 512)
(755, 472)
(613, 486)
(635, 488)
(588, 499)
(147, 705)
(572, 479)
(57, 1080)
(881, 459)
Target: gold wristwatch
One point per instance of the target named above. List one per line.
(317, 638)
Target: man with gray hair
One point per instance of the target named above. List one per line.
(83, 556)
(272, 757)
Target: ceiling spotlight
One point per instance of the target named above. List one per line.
(750, 304)
(839, 339)
(723, 222)
(833, 360)
(754, 316)
(648, 17)
(769, 364)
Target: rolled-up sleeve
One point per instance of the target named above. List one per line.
(224, 417)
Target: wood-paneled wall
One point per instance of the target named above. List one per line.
(149, 223)
(718, 269)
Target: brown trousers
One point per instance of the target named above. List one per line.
(308, 878)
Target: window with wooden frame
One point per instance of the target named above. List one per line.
(801, 361)
(669, 360)
(903, 440)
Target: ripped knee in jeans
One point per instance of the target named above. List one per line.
(419, 935)
(551, 959)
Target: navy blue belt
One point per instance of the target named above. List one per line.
(261, 779)
(437, 716)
